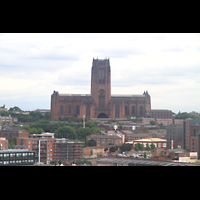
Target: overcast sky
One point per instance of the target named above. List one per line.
(32, 66)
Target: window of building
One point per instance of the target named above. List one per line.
(117, 111)
(77, 109)
(101, 76)
(133, 109)
(101, 101)
(61, 109)
(126, 110)
(141, 110)
(69, 110)
(88, 111)
(29, 146)
(29, 141)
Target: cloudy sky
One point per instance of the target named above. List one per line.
(32, 66)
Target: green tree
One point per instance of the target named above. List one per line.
(141, 147)
(145, 155)
(147, 147)
(152, 146)
(152, 122)
(65, 132)
(136, 147)
(125, 147)
(105, 149)
(92, 142)
(112, 149)
(91, 152)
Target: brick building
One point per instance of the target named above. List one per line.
(165, 122)
(191, 131)
(102, 140)
(3, 143)
(13, 132)
(67, 151)
(175, 133)
(159, 114)
(45, 146)
(51, 148)
(135, 135)
(178, 121)
(100, 103)
(5, 119)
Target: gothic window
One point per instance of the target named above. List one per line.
(61, 109)
(126, 110)
(117, 111)
(141, 110)
(77, 110)
(69, 110)
(101, 101)
(133, 109)
(88, 111)
(101, 76)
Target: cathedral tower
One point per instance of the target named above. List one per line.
(101, 85)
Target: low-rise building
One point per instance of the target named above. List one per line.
(178, 121)
(3, 143)
(159, 143)
(96, 150)
(13, 132)
(103, 140)
(13, 157)
(5, 119)
(165, 122)
(135, 135)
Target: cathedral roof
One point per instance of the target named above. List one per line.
(126, 95)
(79, 95)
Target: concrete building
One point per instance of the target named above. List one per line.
(12, 157)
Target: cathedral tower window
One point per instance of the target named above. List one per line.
(101, 76)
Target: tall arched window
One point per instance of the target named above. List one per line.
(77, 110)
(141, 110)
(69, 110)
(88, 111)
(126, 110)
(61, 109)
(133, 110)
(117, 111)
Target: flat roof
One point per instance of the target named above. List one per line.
(151, 140)
(14, 150)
